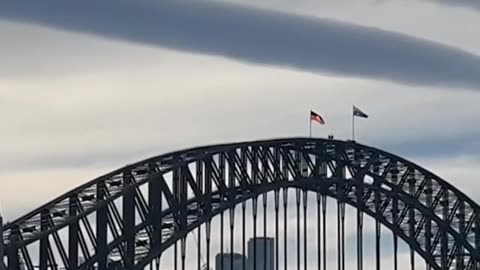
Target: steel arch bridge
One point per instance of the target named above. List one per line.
(135, 213)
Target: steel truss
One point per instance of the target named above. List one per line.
(132, 215)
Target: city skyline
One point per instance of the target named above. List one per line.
(260, 253)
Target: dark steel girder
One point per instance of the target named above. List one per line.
(395, 192)
(327, 187)
(324, 186)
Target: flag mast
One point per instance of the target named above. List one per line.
(356, 112)
(353, 124)
(310, 123)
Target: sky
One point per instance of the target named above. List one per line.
(82, 94)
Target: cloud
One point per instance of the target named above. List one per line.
(474, 4)
(261, 37)
(461, 171)
(81, 122)
(459, 145)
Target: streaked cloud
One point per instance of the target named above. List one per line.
(261, 37)
(474, 4)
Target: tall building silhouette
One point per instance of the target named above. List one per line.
(237, 259)
(261, 253)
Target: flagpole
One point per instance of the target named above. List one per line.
(353, 125)
(310, 124)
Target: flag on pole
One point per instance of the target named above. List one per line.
(359, 113)
(317, 118)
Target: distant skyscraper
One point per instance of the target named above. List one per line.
(227, 258)
(264, 250)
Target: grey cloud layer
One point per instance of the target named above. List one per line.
(474, 4)
(261, 37)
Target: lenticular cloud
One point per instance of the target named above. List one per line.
(261, 37)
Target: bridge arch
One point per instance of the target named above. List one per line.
(172, 194)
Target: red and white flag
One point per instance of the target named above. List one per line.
(317, 118)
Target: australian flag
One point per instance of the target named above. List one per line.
(359, 113)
